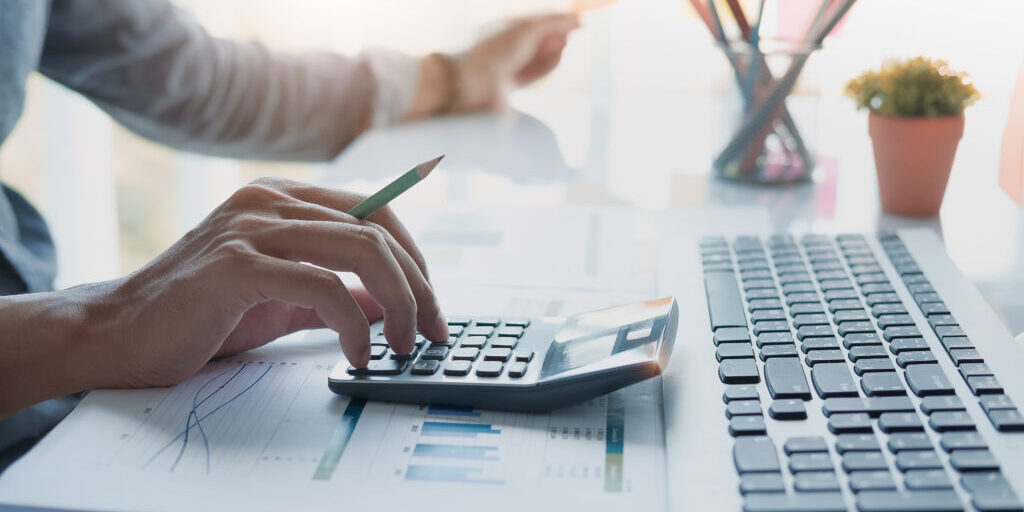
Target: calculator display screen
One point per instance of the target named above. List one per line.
(590, 337)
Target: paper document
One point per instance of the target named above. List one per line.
(263, 432)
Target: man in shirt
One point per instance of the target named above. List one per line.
(237, 280)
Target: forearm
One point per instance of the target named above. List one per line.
(49, 347)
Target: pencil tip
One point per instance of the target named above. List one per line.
(424, 169)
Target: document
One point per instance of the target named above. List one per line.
(261, 431)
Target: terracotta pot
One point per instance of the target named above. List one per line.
(913, 158)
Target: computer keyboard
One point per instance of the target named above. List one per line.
(818, 319)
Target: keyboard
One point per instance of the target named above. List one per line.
(811, 335)
(521, 364)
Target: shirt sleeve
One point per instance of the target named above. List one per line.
(156, 71)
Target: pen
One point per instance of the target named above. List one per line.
(394, 189)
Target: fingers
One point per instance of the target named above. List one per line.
(548, 24)
(318, 289)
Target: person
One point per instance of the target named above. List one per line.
(239, 279)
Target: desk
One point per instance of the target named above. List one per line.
(652, 154)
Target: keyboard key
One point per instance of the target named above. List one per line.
(869, 351)
(466, 353)
(807, 444)
(743, 408)
(434, 353)
(480, 330)
(907, 344)
(746, 426)
(871, 481)
(882, 384)
(873, 365)
(798, 288)
(860, 339)
(856, 443)
(818, 343)
(517, 369)
(787, 409)
(761, 482)
(769, 351)
(738, 371)
(905, 359)
(489, 368)
(934, 308)
(859, 326)
(986, 385)
(489, 321)
(785, 378)
(909, 441)
(511, 343)
(901, 331)
(767, 314)
(810, 319)
(849, 423)
(993, 402)
(815, 357)
(990, 492)
(1007, 420)
(756, 284)
(806, 308)
(524, 356)
(974, 370)
(951, 342)
(799, 502)
(839, 305)
(759, 304)
(918, 459)
(455, 330)
(381, 367)
(962, 441)
(900, 422)
(928, 379)
(734, 351)
(473, 342)
(425, 367)
(973, 460)
(930, 404)
(770, 326)
(851, 315)
(774, 338)
(877, 288)
(886, 321)
(846, 293)
(457, 368)
(829, 285)
(864, 461)
(725, 306)
(888, 309)
(918, 479)
(873, 406)
(833, 379)
(755, 454)
(816, 461)
(949, 330)
(814, 331)
(511, 332)
(815, 481)
(497, 354)
(730, 334)
(517, 322)
(740, 393)
(965, 355)
(459, 320)
(946, 421)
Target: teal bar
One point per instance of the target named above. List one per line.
(615, 440)
(336, 447)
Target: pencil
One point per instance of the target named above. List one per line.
(394, 189)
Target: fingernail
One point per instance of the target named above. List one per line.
(441, 326)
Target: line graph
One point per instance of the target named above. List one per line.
(194, 420)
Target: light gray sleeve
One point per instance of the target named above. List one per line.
(155, 70)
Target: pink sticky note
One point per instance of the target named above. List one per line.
(1011, 159)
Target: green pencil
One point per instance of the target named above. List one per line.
(393, 189)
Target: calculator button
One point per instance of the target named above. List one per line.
(434, 353)
(497, 354)
(511, 332)
(505, 343)
(459, 320)
(474, 341)
(457, 368)
(378, 351)
(489, 368)
(492, 321)
(517, 369)
(401, 357)
(480, 330)
(381, 367)
(524, 355)
(455, 330)
(466, 353)
(425, 367)
(517, 322)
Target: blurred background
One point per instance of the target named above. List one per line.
(115, 200)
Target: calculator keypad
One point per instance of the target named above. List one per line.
(482, 346)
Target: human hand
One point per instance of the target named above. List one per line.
(237, 281)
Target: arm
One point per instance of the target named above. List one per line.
(235, 282)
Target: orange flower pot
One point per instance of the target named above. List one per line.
(913, 158)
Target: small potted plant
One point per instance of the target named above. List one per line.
(916, 121)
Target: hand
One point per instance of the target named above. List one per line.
(237, 281)
(527, 49)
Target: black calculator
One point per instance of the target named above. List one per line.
(520, 364)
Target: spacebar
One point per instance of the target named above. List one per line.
(724, 304)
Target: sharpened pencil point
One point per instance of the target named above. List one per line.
(424, 169)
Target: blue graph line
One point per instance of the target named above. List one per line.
(199, 419)
(195, 405)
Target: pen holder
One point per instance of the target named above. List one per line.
(765, 146)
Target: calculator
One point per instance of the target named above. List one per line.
(520, 364)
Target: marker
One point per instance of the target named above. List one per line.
(393, 189)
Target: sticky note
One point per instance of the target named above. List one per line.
(1011, 158)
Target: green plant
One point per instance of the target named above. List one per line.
(918, 87)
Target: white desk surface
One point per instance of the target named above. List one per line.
(557, 151)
